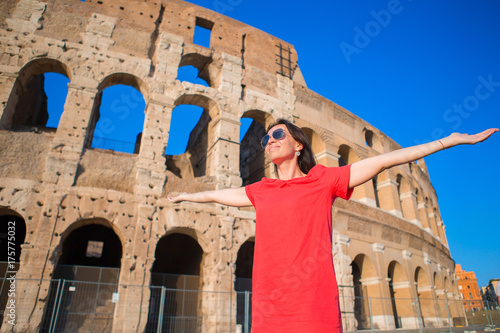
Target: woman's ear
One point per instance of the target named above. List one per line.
(299, 146)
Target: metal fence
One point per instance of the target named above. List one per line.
(81, 306)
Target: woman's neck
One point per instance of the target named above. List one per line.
(289, 170)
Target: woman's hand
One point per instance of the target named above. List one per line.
(456, 139)
(178, 198)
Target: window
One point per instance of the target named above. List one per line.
(369, 138)
(202, 32)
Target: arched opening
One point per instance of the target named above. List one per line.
(425, 299)
(365, 193)
(318, 146)
(359, 308)
(117, 119)
(56, 89)
(456, 306)
(254, 164)
(85, 279)
(369, 138)
(399, 289)
(175, 282)
(12, 235)
(365, 284)
(198, 69)
(243, 281)
(441, 299)
(423, 212)
(193, 124)
(191, 74)
(345, 155)
(187, 139)
(37, 98)
(372, 140)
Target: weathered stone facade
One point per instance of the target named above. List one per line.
(388, 240)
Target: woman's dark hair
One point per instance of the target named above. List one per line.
(306, 159)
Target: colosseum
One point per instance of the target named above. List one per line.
(89, 234)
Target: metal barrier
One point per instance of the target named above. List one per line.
(80, 306)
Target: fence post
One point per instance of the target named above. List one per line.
(487, 314)
(58, 305)
(183, 302)
(471, 315)
(96, 303)
(247, 311)
(162, 309)
(55, 305)
(371, 314)
(419, 317)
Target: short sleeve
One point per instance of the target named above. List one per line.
(338, 179)
(250, 191)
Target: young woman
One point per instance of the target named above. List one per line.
(294, 286)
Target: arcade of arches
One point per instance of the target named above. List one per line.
(100, 214)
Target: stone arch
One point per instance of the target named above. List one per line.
(195, 162)
(244, 264)
(89, 262)
(366, 192)
(90, 221)
(178, 266)
(177, 253)
(89, 242)
(386, 188)
(254, 163)
(454, 306)
(434, 220)
(457, 308)
(407, 198)
(424, 298)
(12, 235)
(372, 140)
(423, 210)
(400, 293)
(441, 298)
(208, 69)
(366, 285)
(347, 155)
(27, 103)
(243, 277)
(317, 144)
(98, 136)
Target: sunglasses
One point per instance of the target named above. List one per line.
(277, 135)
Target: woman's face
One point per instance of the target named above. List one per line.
(281, 149)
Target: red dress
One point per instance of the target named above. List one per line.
(294, 286)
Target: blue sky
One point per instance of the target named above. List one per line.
(416, 70)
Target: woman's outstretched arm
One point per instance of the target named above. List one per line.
(235, 197)
(366, 169)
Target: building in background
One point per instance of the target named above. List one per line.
(467, 284)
